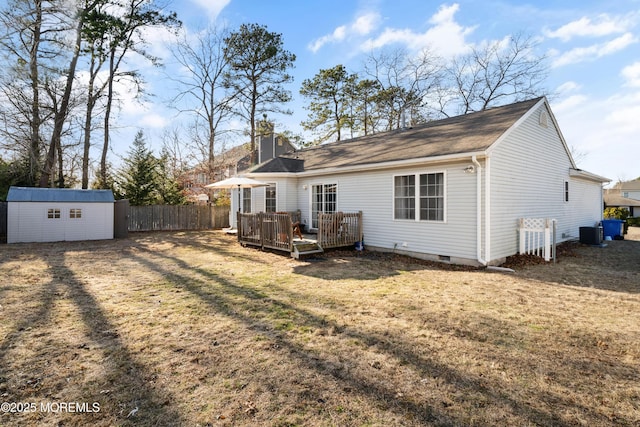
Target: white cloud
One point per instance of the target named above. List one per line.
(595, 51)
(568, 87)
(631, 73)
(446, 37)
(366, 23)
(570, 103)
(153, 120)
(605, 129)
(362, 25)
(604, 25)
(213, 7)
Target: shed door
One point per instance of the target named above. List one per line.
(121, 219)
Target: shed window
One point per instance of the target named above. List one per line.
(566, 191)
(53, 213)
(424, 201)
(75, 213)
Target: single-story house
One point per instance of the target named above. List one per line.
(630, 189)
(615, 200)
(452, 189)
(58, 214)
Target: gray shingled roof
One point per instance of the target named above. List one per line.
(468, 133)
(33, 194)
(630, 185)
(618, 200)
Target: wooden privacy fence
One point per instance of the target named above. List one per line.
(178, 217)
(538, 237)
(3, 222)
(339, 229)
(267, 230)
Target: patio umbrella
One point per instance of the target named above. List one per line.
(237, 182)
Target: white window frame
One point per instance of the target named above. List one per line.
(246, 200)
(275, 198)
(417, 197)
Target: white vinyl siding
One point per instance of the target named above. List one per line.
(530, 178)
(372, 192)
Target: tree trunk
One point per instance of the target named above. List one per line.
(61, 114)
(91, 102)
(34, 144)
(107, 116)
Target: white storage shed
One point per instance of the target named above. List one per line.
(58, 214)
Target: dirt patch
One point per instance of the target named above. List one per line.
(192, 329)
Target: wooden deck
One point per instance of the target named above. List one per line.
(275, 231)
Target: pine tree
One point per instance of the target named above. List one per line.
(138, 180)
(169, 191)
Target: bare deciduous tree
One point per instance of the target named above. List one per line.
(202, 89)
(405, 81)
(492, 74)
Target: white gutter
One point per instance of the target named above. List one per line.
(371, 166)
(478, 210)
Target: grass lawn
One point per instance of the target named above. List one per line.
(189, 328)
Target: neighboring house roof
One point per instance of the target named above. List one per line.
(617, 200)
(34, 194)
(630, 185)
(469, 133)
(281, 164)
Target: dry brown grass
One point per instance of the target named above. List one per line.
(192, 329)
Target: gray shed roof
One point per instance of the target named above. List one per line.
(467, 133)
(34, 194)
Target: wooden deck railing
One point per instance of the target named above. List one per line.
(267, 230)
(339, 229)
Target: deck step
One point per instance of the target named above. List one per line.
(305, 248)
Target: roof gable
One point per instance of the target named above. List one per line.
(470, 133)
(35, 194)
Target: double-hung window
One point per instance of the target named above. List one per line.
(270, 198)
(419, 197)
(53, 213)
(246, 200)
(404, 198)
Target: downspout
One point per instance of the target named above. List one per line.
(478, 210)
(487, 208)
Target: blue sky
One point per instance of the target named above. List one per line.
(593, 49)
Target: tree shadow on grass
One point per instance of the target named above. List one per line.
(124, 378)
(247, 305)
